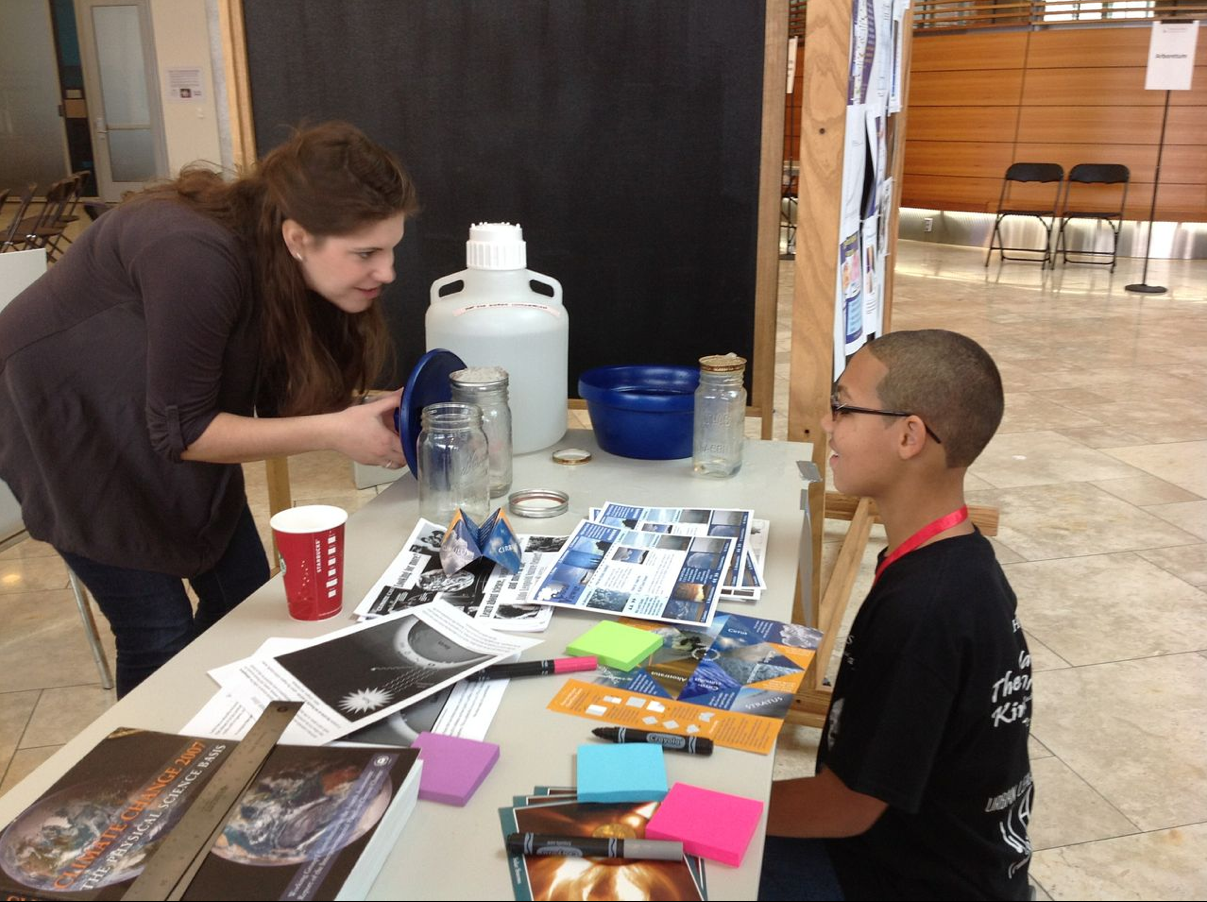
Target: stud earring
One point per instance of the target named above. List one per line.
(298, 257)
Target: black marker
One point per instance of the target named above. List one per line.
(693, 745)
(592, 846)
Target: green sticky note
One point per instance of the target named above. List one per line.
(616, 645)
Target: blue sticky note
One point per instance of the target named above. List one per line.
(628, 772)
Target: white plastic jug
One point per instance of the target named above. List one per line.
(496, 318)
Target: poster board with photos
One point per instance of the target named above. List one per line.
(838, 148)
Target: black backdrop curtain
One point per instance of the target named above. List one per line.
(623, 135)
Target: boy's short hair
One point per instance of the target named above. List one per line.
(949, 381)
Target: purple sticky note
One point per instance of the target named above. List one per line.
(453, 768)
(710, 824)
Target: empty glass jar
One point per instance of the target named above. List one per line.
(486, 386)
(719, 424)
(452, 459)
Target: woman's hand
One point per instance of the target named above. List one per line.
(366, 432)
(363, 432)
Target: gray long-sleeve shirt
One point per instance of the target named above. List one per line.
(111, 365)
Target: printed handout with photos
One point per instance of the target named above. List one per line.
(733, 682)
(739, 663)
(752, 586)
(364, 673)
(692, 521)
(752, 582)
(554, 877)
(483, 589)
(464, 709)
(622, 572)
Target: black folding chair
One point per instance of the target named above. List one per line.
(1092, 195)
(1046, 213)
(44, 228)
(69, 214)
(9, 239)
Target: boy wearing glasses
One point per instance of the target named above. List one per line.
(923, 785)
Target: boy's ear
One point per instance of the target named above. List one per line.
(913, 438)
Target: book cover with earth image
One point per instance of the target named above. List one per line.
(316, 823)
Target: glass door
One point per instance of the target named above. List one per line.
(123, 94)
(32, 147)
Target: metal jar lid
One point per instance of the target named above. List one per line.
(723, 363)
(571, 457)
(538, 504)
(479, 378)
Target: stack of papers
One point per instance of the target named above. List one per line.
(483, 590)
(358, 676)
(672, 565)
(743, 581)
(667, 564)
(558, 811)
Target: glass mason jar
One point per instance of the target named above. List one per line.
(719, 425)
(486, 386)
(451, 456)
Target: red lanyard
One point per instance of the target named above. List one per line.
(927, 532)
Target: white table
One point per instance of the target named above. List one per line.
(457, 853)
(18, 270)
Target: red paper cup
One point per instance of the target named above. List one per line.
(310, 540)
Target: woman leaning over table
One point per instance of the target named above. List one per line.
(199, 325)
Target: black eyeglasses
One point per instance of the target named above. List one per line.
(838, 407)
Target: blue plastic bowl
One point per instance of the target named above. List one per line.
(642, 411)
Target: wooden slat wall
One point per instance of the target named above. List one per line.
(965, 15)
(792, 104)
(980, 101)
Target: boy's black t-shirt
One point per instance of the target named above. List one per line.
(930, 713)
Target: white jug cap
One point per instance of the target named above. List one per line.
(496, 245)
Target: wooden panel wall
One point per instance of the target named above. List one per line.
(792, 107)
(978, 102)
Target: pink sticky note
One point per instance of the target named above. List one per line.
(710, 824)
(453, 768)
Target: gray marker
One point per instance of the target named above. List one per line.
(592, 846)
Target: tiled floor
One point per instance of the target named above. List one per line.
(1100, 471)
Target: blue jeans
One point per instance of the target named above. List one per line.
(797, 870)
(150, 614)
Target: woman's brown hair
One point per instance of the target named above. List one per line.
(332, 180)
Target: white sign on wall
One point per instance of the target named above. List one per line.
(1171, 56)
(184, 84)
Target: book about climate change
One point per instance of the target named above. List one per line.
(316, 823)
